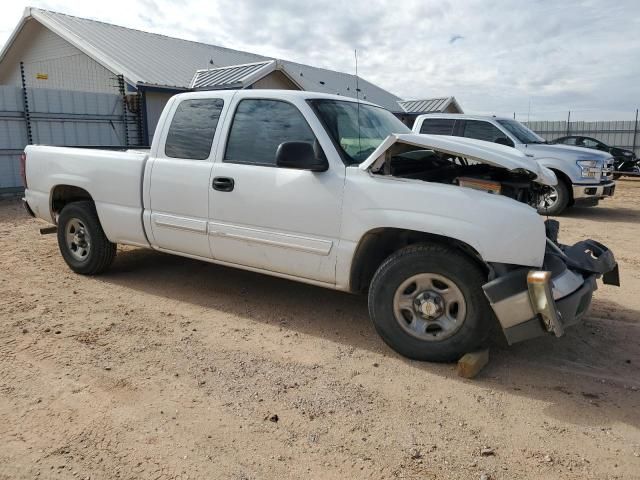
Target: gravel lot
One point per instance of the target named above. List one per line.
(168, 368)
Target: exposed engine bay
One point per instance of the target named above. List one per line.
(406, 161)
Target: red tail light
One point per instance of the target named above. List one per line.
(23, 168)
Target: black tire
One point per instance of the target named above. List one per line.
(562, 200)
(100, 252)
(477, 324)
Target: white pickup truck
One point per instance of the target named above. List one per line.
(338, 193)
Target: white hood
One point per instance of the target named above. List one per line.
(568, 152)
(490, 153)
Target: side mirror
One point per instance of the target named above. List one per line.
(301, 156)
(504, 141)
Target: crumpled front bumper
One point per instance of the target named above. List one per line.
(532, 302)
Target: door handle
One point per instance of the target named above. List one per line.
(223, 184)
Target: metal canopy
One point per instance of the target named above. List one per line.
(234, 76)
(430, 105)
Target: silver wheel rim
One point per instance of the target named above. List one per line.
(429, 307)
(78, 239)
(549, 198)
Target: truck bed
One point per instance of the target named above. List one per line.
(112, 178)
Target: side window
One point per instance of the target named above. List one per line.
(260, 126)
(569, 141)
(192, 128)
(482, 131)
(437, 126)
(589, 143)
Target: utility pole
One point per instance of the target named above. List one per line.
(635, 132)
(568, 121)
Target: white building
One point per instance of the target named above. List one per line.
(63, 52)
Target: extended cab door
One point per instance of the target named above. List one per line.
(278, 219)
(179, 180)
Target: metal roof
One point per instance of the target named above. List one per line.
(145, 58)
(322, 80)
(235, 76)
(429, 105)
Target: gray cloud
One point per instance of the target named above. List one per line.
(577, 54)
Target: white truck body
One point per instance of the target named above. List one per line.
(289, 222)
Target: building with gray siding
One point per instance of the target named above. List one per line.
(63, 52)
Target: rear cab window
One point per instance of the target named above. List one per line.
(437, 126)
(192, 128)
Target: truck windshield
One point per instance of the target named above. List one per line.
(357, 136)
(521, 132)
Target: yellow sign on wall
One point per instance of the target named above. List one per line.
(42, 76)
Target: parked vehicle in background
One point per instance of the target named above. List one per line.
(584, 176)
(624, 161)
(338, 193)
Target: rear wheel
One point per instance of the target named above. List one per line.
(81, 240)
(555, 199)
(427, 303)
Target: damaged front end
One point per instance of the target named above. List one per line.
(532, 302)
(461, 162)
(528, 302)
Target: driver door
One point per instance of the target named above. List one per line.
(267, 217)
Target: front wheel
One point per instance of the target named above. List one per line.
(81, 240)
(427, 303)
(555, 199)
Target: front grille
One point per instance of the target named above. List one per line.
(607, 170)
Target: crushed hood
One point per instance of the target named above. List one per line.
(478, 150)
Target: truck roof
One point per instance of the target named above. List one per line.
(272, 94)
(461, 116)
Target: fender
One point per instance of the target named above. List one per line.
(500, 229)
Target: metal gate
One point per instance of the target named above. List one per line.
(63, 118)
(617, 133)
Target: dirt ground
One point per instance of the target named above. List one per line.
(168, 368)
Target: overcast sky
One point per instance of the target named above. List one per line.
(494, 56)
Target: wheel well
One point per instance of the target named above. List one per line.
(565, 178)
(62, 195)
(377, 245)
